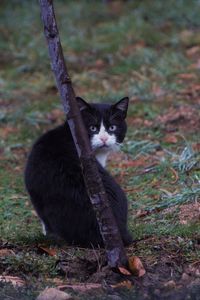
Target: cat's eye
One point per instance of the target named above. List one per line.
(93, 128)
(112, 127)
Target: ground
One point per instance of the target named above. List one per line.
(150, 51)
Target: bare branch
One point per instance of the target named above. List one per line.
(116, 255)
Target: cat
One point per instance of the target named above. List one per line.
(54, 181)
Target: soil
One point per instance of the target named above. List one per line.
(168, 273)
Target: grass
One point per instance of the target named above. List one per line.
(147, 50)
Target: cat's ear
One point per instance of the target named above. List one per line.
(82, 104)
(121, 106)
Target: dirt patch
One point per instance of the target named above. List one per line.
(167, 269)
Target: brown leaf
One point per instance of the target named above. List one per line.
(54, 294)
(124, 271)
(14, 280)
(136, 266)
(193, 50)
(141, 161)
(6, 252)
(126, 283)
(187, 76)
(158, 91)
(148, 123)
(99, 63)
(49, 251)
(170, 284)
(141, 213)
(6, 131)
(170, 138)
(185, 277)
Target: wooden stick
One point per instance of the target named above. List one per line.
(115, 251)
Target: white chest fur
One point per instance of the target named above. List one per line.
(103, 143)
(102, 155)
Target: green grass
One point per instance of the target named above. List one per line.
(138, 50)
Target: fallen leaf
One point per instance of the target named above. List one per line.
(99, 63)
(126, 283)
(54, 294)
(6, 131)
(158, 91)
(170, 284)
(193, 50)
(141, 213)
(6, 252)
(187, 76)
(14, 280)
(135, 121)
(148, 123)
(185, 277)
(124, 271)
(141, 161)
(49, 251)
(183, 222)
(170, 138)
(136, 266)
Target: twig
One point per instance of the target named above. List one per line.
(80, 287)
(115, 251)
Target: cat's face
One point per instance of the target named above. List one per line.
(105, 123)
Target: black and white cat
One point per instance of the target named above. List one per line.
(53, 176)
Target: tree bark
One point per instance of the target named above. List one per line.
(115, 251)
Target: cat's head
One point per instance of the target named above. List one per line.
(105, 123)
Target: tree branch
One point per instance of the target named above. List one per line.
(115, 251)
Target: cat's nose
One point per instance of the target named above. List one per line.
(104, 139)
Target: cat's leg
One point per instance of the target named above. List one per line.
(45, 228)
(44, 231)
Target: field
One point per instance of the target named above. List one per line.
(149, 51)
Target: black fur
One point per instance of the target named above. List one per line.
(53, 179)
